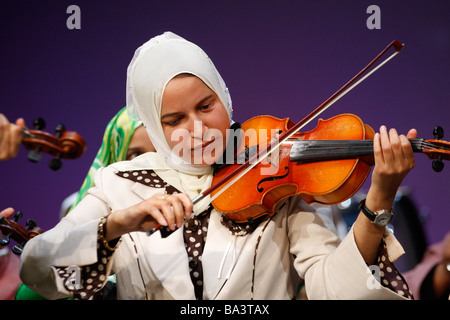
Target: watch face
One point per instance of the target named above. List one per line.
(383, 219)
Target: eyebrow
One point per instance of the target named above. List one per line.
(198, 104)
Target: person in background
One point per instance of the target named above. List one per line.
(10, 140)
(123, 139)
(430, 279)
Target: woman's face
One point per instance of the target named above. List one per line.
(194, 120)
(140, 143)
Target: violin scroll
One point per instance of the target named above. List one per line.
(12, 230)
(63, 145)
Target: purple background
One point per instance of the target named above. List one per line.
(281, 58)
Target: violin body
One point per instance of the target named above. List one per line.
(275, 178)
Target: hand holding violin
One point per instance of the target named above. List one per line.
(394, 159)
(10, 137)
(63, 145)
(10, 229)
(8, 212)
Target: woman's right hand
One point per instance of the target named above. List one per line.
(165, 210)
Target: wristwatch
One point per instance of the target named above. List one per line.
(380, 218)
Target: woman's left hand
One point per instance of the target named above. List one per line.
(394, 159)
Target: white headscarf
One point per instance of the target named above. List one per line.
(154, 64)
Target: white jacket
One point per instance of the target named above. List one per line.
(294, 245)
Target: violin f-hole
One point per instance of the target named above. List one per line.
(272, 178)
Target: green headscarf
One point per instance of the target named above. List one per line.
(114, 147)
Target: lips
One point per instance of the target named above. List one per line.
(202, 145)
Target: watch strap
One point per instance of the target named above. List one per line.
(367, 212)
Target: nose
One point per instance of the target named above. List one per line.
(198, 129)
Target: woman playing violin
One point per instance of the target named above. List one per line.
(175, 90)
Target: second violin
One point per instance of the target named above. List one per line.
(63, 145)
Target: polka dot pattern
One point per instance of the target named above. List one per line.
(241, 229)
(195, 231)
(148, 178)
(91, 277)
(390, 277)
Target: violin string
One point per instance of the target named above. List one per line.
(362, 145)
(332, 144)
(370, 148)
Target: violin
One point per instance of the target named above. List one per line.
(328, 178)
(63, 145)
(12, 230)
(326, 165)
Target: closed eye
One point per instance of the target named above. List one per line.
(173, 123)
(172, 119)
(205, 107)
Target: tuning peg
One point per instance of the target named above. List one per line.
(39, 123)
(438, 132)
(17, 249)
(55, 164)
(60, 128)
(4, 241)
(30, 224)
(437, 164)
(18, 216)
(35, 155)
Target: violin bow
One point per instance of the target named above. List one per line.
(240, 171)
